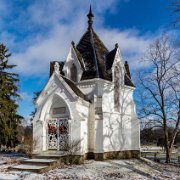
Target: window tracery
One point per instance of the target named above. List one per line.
(73, 73)
(116, 88)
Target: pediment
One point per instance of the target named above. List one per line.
(55, 84)
(72, 58)
(58, 83)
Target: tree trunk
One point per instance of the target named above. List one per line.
(168, 155)
(174, 133)
(168, 152)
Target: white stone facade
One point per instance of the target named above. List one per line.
(87, 107)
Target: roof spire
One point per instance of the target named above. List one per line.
(90, 17)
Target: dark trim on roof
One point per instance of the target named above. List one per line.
(126, 65)
(128, 81)
(94, 53)
(110, 59)
(76, 90)
(79, 57)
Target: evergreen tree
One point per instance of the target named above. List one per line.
(9, 117)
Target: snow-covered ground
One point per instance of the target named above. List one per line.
(110, 169)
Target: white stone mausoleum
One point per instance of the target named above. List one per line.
(88, 99)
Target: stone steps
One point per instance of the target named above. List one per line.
(46, 161)
(41, 162)
(31, 168)
(44, 156)
(36, 165)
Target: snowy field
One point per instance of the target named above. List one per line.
(111, 169)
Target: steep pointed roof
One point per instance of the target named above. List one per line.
(93, 52)
(79, 57)
(95, 59)
(127, 78)
(110, 58)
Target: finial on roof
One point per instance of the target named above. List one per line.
(56, 68)
(116, 45)
(73, 43)
(127, 69)
(90, 17)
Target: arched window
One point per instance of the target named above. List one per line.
(73, 73)
(116, 88)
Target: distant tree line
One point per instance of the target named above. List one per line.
(153, 135)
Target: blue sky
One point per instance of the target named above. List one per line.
(37, 32)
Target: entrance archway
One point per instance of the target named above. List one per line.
(58, 128)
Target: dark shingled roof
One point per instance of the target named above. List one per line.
(94, 58)
(97, 59)
(93, 52)
(110, 58)
(78, 55)
(127, 76)
(128, 81)
(76, 90)
(126, 65)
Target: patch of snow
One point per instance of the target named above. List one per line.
(2, 162)
(105, 170)
(9, 177)
(30, 167)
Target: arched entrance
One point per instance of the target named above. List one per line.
(58, 125)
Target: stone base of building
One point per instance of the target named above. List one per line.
(128, 154)
(79, 159)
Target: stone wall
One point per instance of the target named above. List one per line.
(128, 154)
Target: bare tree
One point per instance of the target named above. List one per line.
(160, 89)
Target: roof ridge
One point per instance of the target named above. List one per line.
(94, 52)
(110, 56)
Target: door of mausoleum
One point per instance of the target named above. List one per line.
(58, 133)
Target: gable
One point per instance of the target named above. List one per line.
(52, 85)
(60, 83)
(73, 60)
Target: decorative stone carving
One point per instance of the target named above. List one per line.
(58, 133)
(54, 85)
(47, 92)
(56, 68)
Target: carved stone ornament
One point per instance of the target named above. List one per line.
(56, 67)
(58, 133)
(47, 92)
(54, 85)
